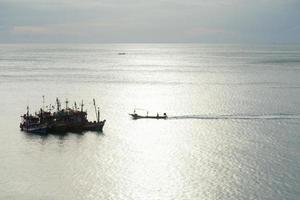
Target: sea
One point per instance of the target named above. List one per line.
(233, 130)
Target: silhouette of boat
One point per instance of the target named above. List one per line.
(134, 115)
(60, 121)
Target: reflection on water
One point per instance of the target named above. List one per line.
(59, 136)
(244, 143)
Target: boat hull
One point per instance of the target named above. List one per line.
(136, 116)
(94, 126)
(61, 128)
(35, 129)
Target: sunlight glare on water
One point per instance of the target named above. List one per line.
(232, 133)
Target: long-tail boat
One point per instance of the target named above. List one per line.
(134, 115)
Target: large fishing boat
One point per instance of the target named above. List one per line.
(61, 120)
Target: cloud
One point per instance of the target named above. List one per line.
(149, 21)
(58, 29)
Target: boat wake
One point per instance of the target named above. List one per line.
(239, 117)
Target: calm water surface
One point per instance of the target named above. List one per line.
(233, 132)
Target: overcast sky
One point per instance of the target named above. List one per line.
(204, 21)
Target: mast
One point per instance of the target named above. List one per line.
(58, 104)
(75, 105)
(95, 108)
(43, 102)
(81, 105)
(67, 103)
(98, 117)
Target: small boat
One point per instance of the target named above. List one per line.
(121, 53)
(134, 115)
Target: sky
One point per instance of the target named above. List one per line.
(125, 21)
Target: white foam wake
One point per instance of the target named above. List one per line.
(239, 116)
